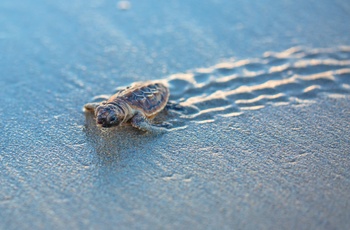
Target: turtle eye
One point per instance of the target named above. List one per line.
(112, 118)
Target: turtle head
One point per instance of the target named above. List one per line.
(108, 115)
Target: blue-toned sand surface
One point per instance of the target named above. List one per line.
(261, 142)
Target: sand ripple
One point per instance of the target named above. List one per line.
(293, 76)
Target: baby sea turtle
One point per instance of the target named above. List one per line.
(136, 104)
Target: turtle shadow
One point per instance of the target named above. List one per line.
(114, 144)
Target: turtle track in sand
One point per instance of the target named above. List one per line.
(229, 88)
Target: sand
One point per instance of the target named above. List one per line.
(262, 140)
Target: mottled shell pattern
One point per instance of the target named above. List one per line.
(150, 97)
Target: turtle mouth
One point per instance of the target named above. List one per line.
(106, 125)
(103, 123)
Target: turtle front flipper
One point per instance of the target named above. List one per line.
(91, 106)
(141, 122)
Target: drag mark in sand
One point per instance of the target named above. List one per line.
(228, 89)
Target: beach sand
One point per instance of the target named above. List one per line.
(261, 140)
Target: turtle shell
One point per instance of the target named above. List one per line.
(149, 97)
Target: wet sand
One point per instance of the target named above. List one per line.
(261, 141)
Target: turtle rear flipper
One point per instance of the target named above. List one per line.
(174, 106)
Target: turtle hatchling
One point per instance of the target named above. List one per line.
(137, 105)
